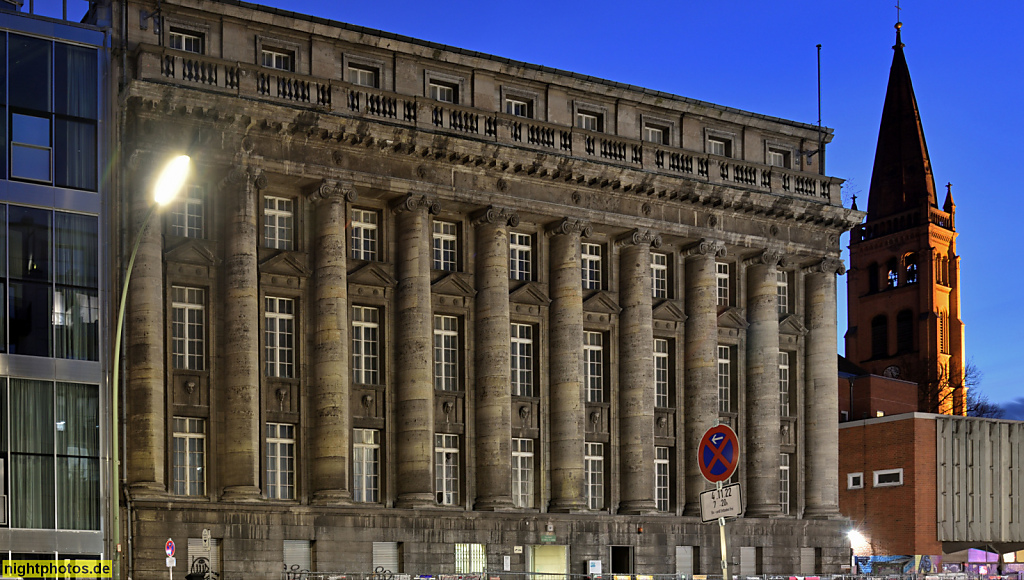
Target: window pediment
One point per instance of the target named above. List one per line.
(286, 264)
(192, 251)
(669, 310)
(529, 293)
(733, 318)
(791, 324)
(454, 284)
(602, 302)
(372, 274)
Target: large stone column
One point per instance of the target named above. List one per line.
(414, 388)
(329, 378)
(821, 398)
(762, 406)
(146, 432)
(240, 456)
(566, 355)
(636, 374)
(700, 349)
(493, 339)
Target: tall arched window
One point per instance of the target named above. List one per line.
(873, 277)
(910, 268)
(892, 275)
(879, 337)
(905, 331)
(943, 332)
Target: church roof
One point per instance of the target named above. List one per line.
(901, 179)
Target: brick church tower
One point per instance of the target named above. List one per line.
(904, 279)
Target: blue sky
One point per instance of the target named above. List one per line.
(965, 60)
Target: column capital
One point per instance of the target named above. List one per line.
(244, 175)
(570, 226)
(768, 257)
(496, 215)
(705, 247)
(415, 201)
(826, 266)
(639, 237)
(332, 191)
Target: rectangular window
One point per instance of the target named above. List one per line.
(784, 384)
(188, 214)
(364, 235)
(446, 246)
(446, 353)
(784, 483)
(519, 107)
(365, 343)
(661, 366)
(366, 465)
(522, 473)
(188, 328)
(724, 380)
(778, 158)
(470, 559)
(888, 477)
(444, 92)
(76, 309)
(854, 481)
(278, 222)
(720, 147)
(210, 556)
(185, 40)
(593, 366)
(278, 59)
(298, 558)
(782, 291)
(446, 468)
(280, 461)
(31, 148)
(659, 275)
(363, 76)
(590, 264)
(588, 121)
(188, 462)
(722, 277)
(661, 478)
(520, 254)
(653, 134)
(279, 334)
(522, 360)
(593, 460)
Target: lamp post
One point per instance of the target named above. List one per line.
(167, 186)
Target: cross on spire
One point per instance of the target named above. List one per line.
(898, 10)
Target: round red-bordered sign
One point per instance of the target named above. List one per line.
(169, 547)
(718, 453)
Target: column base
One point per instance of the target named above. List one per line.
(498, 503)
(568, 506)
(329, 497)
(637, 507)
(143, 490)
(772, 510)
(416, 500)
(823, 513)
(242, 493)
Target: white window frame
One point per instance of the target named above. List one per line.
(593, 366)
(523, 487)
(777, 157)
(661, 372)
(446, 246)
(188, 328)
(365, 345)
(446, 352)
(722, 282)
(590, 266)
(188, 215)
(278, 222)
(520, 255)
(365, 233)
(784, 391)
(855, 480)
(363, 75)
(443, 91)
(186, 41)
(188, 463)
(720, 146)
(446, 468)
(518, 107)
(279, 336)
(593, 461)
(659, 275)
(470, 558)
(784, 483)
(782, 291)
(883, 472)
(277, 59)
(724, 379)
(662, 478)
(366, 465)
(280, 482)
(654, 134)
(521, 367)
(588, 121)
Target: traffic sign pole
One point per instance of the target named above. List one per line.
(721, 533)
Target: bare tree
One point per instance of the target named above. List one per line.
(978, 405)
(943, 390)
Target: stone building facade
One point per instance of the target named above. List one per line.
(428, 309)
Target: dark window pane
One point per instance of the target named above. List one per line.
(3, 68)
(30, 314)
(3, 139)
(32, 491)
(75, 250)
(74, 149)
(31, 65)
(76, 315)
(29, 239)
(30, 147)
(78, 493)
(74, 81)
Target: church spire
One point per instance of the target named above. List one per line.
(901, 179)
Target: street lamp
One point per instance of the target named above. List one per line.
(167, 186)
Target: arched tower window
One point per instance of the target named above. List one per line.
(873, 277)
(892, 275)
(910, 268)
(905, 331)
(943, 332)
(879, 337)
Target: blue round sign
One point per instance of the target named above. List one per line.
(718, 453)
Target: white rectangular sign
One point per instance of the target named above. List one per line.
(171, 562)
(721, 503)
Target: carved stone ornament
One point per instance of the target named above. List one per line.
(577, 197)
(773, 230)
(447, 407)
(640, 237)
(414, 202)
(190, 386)
(827, 266)
(769, 257)
(646, 209)
(570, 226)
(712, 221)
(662, 422)
(502, 185)
(331, 190)
(281, 394)
(367, 400)
(497, 215)
(705, 247)
(524, 412)
(245, 175)
(595, 417)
